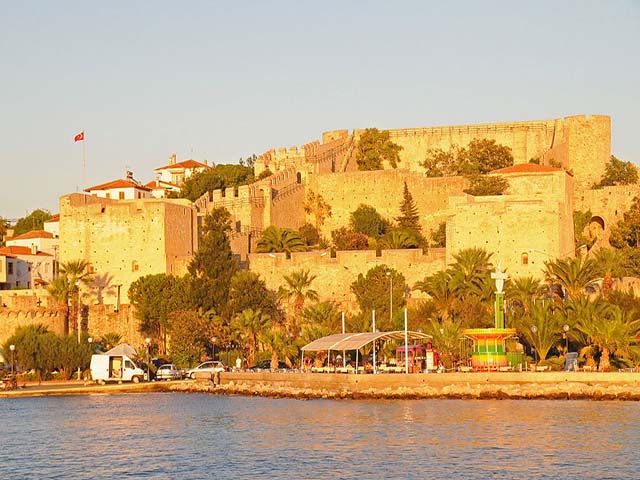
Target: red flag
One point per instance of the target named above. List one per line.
(79, 137)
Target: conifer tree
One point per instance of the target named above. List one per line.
(409, 218)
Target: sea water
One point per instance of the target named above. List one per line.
(192, 436)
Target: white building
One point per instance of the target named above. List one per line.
(127, 189)
(177, 173)
(24, 267)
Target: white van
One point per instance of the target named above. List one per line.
(115, 368)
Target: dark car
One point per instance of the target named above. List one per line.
(266, 365)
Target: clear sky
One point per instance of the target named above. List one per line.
(223, 80)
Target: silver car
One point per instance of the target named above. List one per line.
(210, 367)
(168, 372)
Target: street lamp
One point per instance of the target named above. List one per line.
(565, 327)
(390, 298)
(213, 348)
(147, 342)
(12, 347)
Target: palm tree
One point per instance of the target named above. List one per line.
(615, 333)
(446, 338)
(248, 325)
(522, 291)
(438, 287)
(397, 239)
(110, 340)
(277, 240)
(470, 272)
(67, 288)
(541, 327)
(610, 264)
(574, 275)
(298, 289)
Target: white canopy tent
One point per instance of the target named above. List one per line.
(354, 341)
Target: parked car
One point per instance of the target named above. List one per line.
(168, 372)
(210, 367)
(266, 365)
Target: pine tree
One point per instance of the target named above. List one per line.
(409, 218)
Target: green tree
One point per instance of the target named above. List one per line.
(521, 292)
(344, 239)
(285, 240)
(34, 221)
(248, 326)
(249, 292)
(213, 265)
(483, 156)
(316, 205)
(399, 238)
(4, 225)
(626, 233)
(373, 292)
(440, 163)
(482, 186)
(441, 295)
(374, 148)
(110, 340)
(446, 338)
(409, 219)
(439, 236)
(617, 334)
(610, 265)
(319, 320)
(472, 286)
(191, 334)
(573, 275)
(218, 177)
(298, 289)
(154, 298)
(66, 289)
(618, 172)
(309, 234)
(541, 327)
(365, 219)
(480, 157)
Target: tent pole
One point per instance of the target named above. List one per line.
(374, 342)
(406, 343)
(357, 352)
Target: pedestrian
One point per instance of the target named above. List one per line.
(238, 363)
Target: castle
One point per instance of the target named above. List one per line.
(528, 225)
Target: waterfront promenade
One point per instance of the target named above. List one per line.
(520, 385)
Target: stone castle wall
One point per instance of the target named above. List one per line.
(608, 203)
(524, 230)
(101, 319)
(580, 143)
(124, 240)
(335, 275)
(383, 190)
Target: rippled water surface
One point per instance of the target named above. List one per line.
(204, 436)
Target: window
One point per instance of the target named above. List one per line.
(134, 266)
(108, 195)
(10, 268)
(91, 269)
(525, 259)
(121, 195)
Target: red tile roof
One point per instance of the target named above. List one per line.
(33, 234)
(117, 184)
(527, 168)
(15, 250)
(160, 184)
(185, 164)
(54, 218)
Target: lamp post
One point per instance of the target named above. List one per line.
(390, 298)
(147, 342)
(12, 347)
(213, 348)
(78, 319)
(565, 329)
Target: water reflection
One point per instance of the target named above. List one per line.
(203, 436)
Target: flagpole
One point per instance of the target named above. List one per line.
(84, 162)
